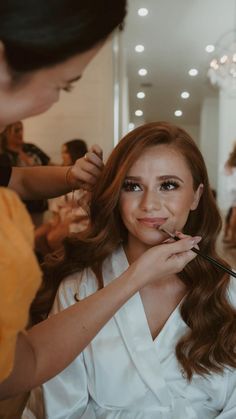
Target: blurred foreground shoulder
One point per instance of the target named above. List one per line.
(20, 274)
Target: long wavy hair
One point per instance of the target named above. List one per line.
(209, 344)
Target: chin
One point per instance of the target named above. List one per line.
(154, 242)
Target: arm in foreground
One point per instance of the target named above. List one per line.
(42, 182)
(52, 345)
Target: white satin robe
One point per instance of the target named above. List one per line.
(124, 374)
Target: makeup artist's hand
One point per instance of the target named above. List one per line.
(86, 170)
(165, 259)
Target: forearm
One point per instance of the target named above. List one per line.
(39, 182)
(44, 182)
(53, 344)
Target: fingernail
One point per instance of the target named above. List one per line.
(197, 239)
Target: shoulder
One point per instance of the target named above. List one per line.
(32, 148)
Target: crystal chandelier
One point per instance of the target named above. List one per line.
(222, 71)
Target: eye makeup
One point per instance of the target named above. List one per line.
(130, 186)
(169, 185)
(164, 186)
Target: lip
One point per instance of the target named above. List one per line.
(152, 222)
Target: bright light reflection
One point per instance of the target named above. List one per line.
(139, 48)
(185, 95)
(139, 112)
(193, 72)
(210, 48)
(142, 72)
(141, 95)
(178, 113)
(143, 11)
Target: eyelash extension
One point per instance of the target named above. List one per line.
(168, 183)
(68, 88)
(129, 185)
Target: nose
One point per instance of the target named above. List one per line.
(150, 201)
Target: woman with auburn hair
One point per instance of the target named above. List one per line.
(169, 352)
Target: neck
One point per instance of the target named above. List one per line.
(133, 252)
(172, 281)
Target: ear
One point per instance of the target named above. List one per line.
(197, 196)
(5, 73)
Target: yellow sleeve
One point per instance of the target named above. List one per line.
(20, 275)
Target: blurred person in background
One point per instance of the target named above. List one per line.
(70, 212)
(18, 153)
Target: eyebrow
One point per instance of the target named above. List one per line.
(160, 178)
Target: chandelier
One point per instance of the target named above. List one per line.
(222, 71)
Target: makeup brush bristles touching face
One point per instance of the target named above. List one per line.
(206, 257)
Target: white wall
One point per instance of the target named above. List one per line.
(193, 130)
(227, 137)
(87, 112)
(121, 86)
(209, 137)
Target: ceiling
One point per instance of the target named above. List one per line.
(174, 34)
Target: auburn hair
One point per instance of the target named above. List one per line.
(209, 344)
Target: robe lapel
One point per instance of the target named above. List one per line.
(145, 353)
(132, 323)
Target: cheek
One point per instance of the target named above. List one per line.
(64, 157)
(40, 97)
(181, 207)
(126, 206)
(180, 202)
(46, 98)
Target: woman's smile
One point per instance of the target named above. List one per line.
(152, 222)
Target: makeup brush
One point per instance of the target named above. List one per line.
(209, 258)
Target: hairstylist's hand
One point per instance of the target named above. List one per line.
(86, 170)
(164, 259)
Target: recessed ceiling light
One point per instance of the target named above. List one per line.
(143, 11)
(178, 113)
(185, 95)
(131, 126)
(193, 72)
(139, 48)
(223, 59)
(141, 95)
(142, 72)
(210, 48)
(139, 112)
